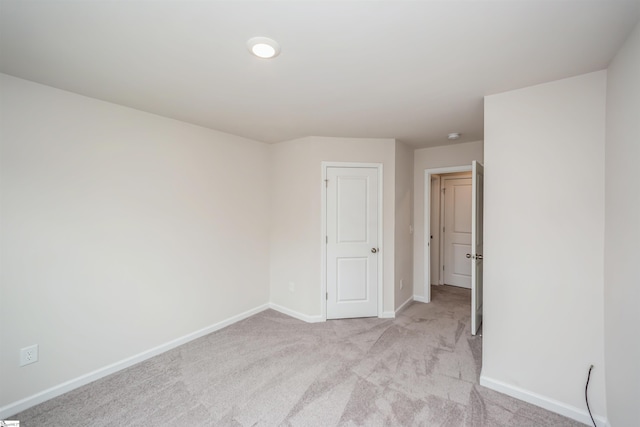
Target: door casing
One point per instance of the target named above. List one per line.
(323, 234)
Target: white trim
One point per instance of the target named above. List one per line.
(545, 402)
(388, 315)
(427, 222)
(323, 221)
(419, 298)
(323, 241)
(19, 406)
(404, 305)
(297, 314)
(438, 280)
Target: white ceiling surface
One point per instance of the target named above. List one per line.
(414, 71)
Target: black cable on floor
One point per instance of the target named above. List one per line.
(586, 396)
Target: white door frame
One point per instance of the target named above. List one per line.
(323, 234)
(427, 221)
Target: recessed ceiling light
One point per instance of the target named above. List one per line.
(263, 47)
(453, 136)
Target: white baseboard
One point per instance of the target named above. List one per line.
(296, 314)
(545, 402)
(404, 305)
(388, 315)
(420, 298)
(19, 406)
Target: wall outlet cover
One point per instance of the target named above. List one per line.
(29, 355)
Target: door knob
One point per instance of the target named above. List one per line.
(468, 255)
(374, 250)
(478, 256)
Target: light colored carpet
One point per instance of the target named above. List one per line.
(419, 369)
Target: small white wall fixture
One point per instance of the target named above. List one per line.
(427, 221)
(323, 234)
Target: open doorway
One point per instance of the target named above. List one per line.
(450, 235)
(453, 235)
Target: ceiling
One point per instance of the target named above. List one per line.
(413, 71)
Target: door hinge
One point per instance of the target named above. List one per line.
(326, 183)
(327, 296)
(443, 268)
(326, 239)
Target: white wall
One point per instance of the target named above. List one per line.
(296, 177)
(430, 158)
(544, 243)
(121, 231)
(404, 220)
(622, 234)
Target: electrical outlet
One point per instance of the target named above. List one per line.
(29, 355)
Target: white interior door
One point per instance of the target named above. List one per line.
(352, 242)
(457, 231)
(477, 240)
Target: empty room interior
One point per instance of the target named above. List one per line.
(320, 213)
